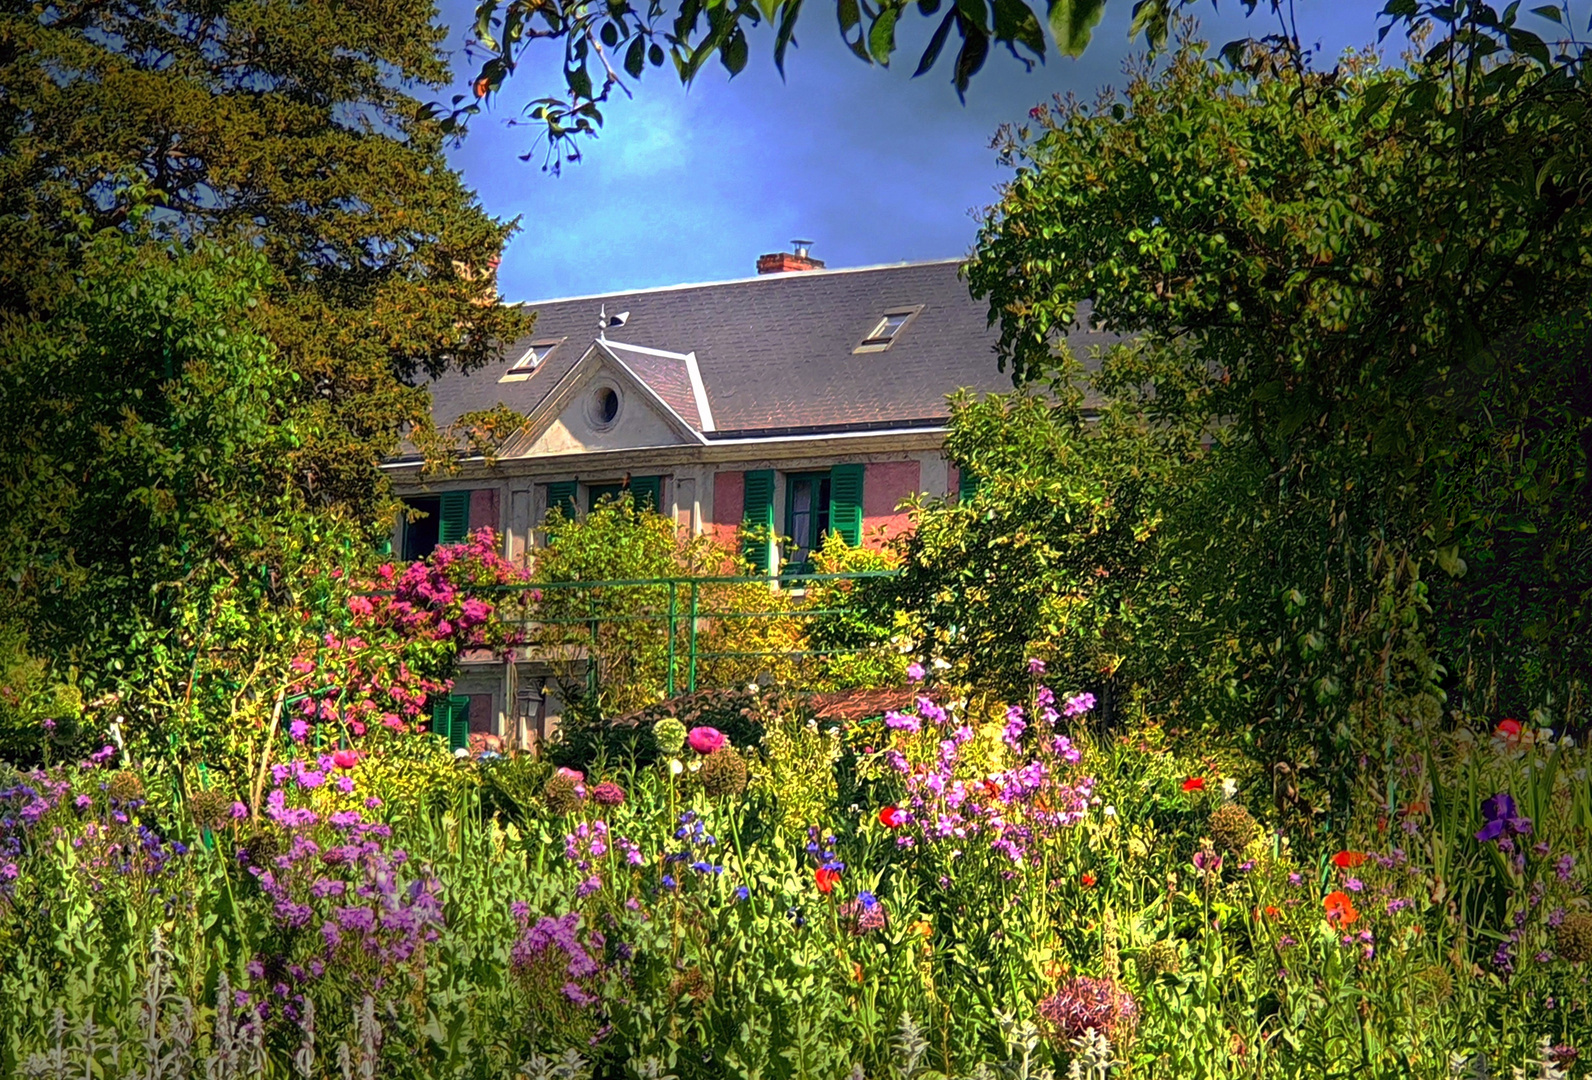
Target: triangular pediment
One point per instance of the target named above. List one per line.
(601, 404)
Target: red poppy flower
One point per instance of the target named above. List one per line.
(1348, 860)
(1088, 880)
(890, 817)
(345, 759)
(1272, 912)
(826, 879)
(1194, 783)
(1340, 908)
(1509, 729)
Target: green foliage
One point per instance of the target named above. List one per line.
(156, 527)
(1055, 556)
(856, 638)
(586, 739)
(1321, 429)
(314, 151)
(1450, 953)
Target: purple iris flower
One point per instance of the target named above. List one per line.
(1502, 819)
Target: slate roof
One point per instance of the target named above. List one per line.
(775, 351)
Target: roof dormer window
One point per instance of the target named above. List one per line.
(532, 359)
(887, 330)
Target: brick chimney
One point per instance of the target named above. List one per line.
(783, 262)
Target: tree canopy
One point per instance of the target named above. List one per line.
(294, 128)
(1358, 392)
(611, 46)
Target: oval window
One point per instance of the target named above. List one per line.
(607, 405)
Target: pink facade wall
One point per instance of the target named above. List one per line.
(484, 510)
(885, 485)
(729, 506)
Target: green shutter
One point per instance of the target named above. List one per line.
(459, 726)
(450, 718)
(647, 491)
(759, 515)
(562, 495)
(455, 523)
(845, 502)
(966, 483)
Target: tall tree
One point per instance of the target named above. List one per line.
(294, 127)
(1366, 292)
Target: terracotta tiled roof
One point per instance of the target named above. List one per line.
(852, 705)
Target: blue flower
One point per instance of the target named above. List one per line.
(742, 892)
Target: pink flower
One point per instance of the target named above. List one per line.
(915, 671)
(345, 759)
(1036, 667)
(705, 740)
(361, 605)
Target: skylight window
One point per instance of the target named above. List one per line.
(887, 330)
(532, 359)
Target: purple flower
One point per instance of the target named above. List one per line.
(1207, 861)
(915, 671)
(298, 729)
(1502, 819)
(1354, 884)
(902, 722)
(1036, 666)
(1015, 726)
(1078, 705)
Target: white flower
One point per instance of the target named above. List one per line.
(1111, 811)
(696, 763)
(941, 665)
(1229, 788)
(461, 752)
(675, 768)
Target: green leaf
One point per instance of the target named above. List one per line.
(636, 57)
(734, 52)
(931, 54)
(789, 10)
(881, 36)
(971, 57)
(1073, 22)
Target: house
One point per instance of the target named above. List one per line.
(803, 399)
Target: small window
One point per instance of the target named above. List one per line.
(886, 330)
(806, 518)
(421, 534)
(532, 359)
(604, 406)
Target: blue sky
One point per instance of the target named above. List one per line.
(870, 164)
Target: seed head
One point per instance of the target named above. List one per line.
(1232, 828)
(1573, 939)
(724, 772)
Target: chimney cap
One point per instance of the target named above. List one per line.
(784, 262)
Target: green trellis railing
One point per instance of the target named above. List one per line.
(684, 607)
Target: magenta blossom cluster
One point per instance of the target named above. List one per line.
(550, 953)
(1009, 809)
(364, 675)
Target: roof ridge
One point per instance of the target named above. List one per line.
(825, 272)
